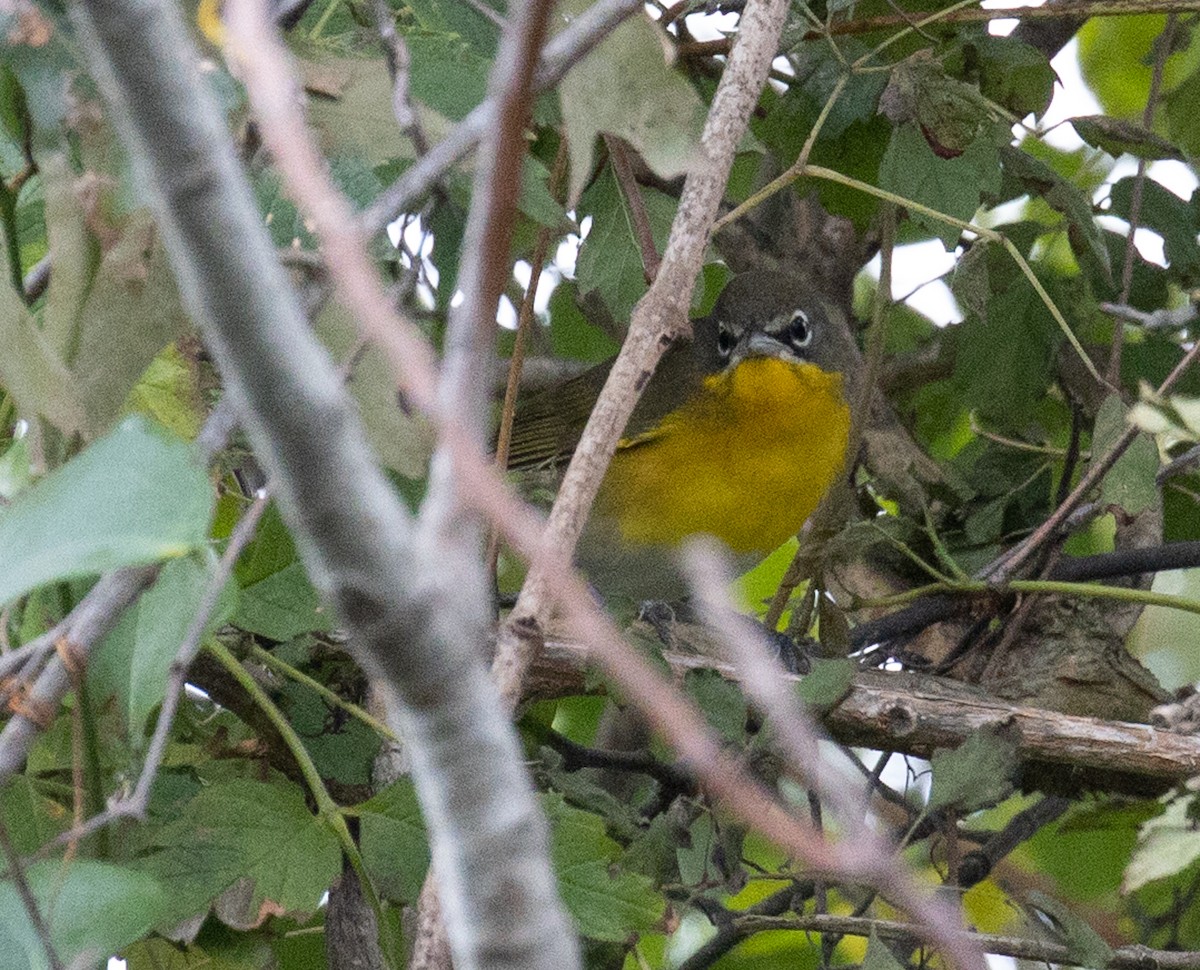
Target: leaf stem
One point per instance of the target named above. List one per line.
(1039, 587)
(900, 34)
(795, 171)
(268, 659)
(327, 809)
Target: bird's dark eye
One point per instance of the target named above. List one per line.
(725, 341)
(799, 331)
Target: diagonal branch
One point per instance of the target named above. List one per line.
(356, 537)
(658, 318)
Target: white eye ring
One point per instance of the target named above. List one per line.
(799, 333)
(725, 341)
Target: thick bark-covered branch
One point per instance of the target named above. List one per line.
(917, 714)
(354, 534)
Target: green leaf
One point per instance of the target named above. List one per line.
(135, 658)
(74, 248)
(451, 17)
(1123, 138)
(878, 956)
(282, 606)
(30, 818)
(1166, 845)
(950, 114)
(258, 840)
(827, 684)
(446, 74)
(276, 600)
(819, 68)
(342, 747)
(976, 774)
(536, 201)
(167, 392)
(1130, 483)
(132, 312)
(1004, 362)
(610, 260)
(1170, 216)
(1014, 74)
(571, 335)
(721, 701)
(625, 87)
(401, 438)
(350, 106)
(694, 854)
(135, 496)
(395, 848)
(952, 186)
(112, 304)
(1116, 56)
(606, 902)
(1086, 946)
(1183, 121)
(41, 51)
(90, 907)
(30, 370)
(1063, 195)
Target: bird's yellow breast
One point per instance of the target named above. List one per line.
(746, 460)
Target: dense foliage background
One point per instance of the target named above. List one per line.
(898, 123)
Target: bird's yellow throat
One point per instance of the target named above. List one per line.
(746, 460)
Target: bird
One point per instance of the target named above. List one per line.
(738, 435)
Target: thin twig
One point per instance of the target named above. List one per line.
(1037, 950)
(559, 56)
(469, 343)
(16, 872)
(1163, 51)
(1008, 563)
(468, 352)
(135, 804)
(860, 412)
(372, 610)
(445, 772)
(619, 154)
(399, 62)
(978, 864)
(326, 808)
(91, 619)
(525, 317)
(189, 647)
(1064, 10)
(765, 683)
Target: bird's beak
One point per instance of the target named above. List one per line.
(758, 343)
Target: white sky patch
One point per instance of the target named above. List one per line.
(1005, 26)
(506, 314)
(1072, 98)
(549, 279)
(917, 272)
(711, 26)
(907, 775)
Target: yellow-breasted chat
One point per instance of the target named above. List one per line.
(739, 434)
